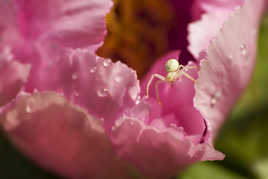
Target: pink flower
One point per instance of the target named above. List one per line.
(86, 117)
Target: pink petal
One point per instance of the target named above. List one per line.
(177, 99)
(214, 6)
(161, 140)
(101, 87)
(36, 29)
(61, 137)
(13, 75)
(49, 28)
(70, 23)
(7, 23)
(6, 13)
(216, 12)
(158, 151)
(228, 66)
(153, 137)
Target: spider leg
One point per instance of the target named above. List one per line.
(162, 78)
(188, 76)
(157, 91)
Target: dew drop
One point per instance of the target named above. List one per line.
(213, 102)
(118, 79)
(76, 93)
(102, 92)
(28, 109)
(105, 63)
(35, 90)
(133, 92)
(138, 101)
(190, 63)
(215, 97)
(6, 52)
(74, 76)
(243, 49)
(93, 70)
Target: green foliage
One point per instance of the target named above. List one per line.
(207, 170)
(13, 165)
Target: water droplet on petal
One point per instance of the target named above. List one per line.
(243, 49)
(133, 92)
(118, 79)
(76, 93)
(7, 54)
(215, 97)
(93, 70)
(74, 76)
(35, 90)
(105, 63)
(213, 102)
(28, 109)
(102, 92)
(190, 63)
(138, 100)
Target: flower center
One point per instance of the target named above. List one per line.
(138, 33)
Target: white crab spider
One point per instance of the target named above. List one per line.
(174, 72)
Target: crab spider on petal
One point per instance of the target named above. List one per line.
(174, 72)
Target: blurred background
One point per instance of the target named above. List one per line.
(138, 33)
